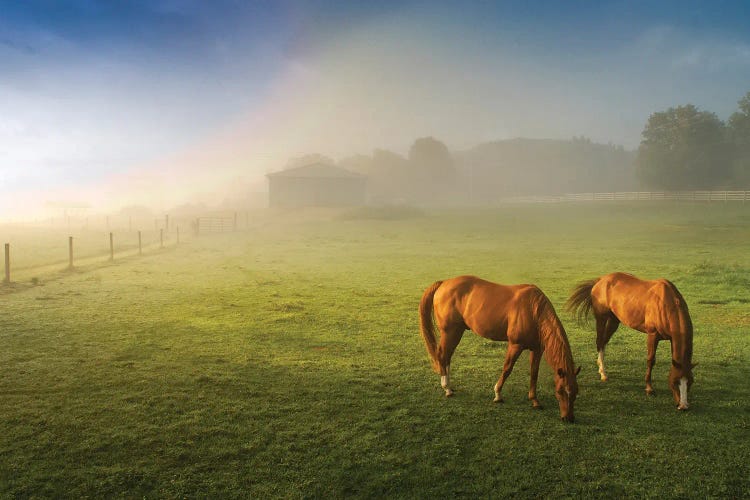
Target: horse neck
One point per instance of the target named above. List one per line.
(555, 343)
(682, 346)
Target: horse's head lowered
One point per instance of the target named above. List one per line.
(566, 391)
(680, 380)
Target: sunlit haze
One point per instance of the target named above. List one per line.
(165, 102)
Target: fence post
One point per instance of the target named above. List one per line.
(7, 263)
(234, 223)
(70, 252)
(177, 233)
(140, 247)
(111, 247)
(247, 219)
(197, 226)
(166, 222)
(161, 238)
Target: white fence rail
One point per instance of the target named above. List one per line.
(741, 196)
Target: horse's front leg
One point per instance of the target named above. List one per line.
(653, 343)
(514, 350)
(534, 357)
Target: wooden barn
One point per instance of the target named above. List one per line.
(316, 185)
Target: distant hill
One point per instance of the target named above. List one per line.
(544, 166)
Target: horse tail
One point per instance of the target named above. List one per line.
(579, 303)
(426, 325)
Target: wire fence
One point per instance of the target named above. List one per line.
(46, 247)
(699, 196)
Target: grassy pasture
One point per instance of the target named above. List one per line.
(285, 361)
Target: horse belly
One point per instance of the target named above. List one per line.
(497, 332)
(631, 316)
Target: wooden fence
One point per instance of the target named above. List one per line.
(705, 196)
(203, 225)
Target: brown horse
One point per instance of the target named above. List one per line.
(519, 314)
(653, 307)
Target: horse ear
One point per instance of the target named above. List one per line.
(561, 373)
(578, 371)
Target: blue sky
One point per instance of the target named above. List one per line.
(95, 92)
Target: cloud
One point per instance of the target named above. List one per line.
(713, 56)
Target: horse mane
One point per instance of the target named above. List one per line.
(552, 333)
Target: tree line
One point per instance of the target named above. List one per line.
(682, 148)
(687, 148)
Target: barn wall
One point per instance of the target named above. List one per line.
(316, 192)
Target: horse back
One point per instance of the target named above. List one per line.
(650, 306)
(491, 310)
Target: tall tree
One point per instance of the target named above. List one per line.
(432, 166)
(683, 148)
(739, 135)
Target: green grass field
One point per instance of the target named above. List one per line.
(285, 361)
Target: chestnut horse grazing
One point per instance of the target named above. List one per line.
(519, 314)
(653, 307)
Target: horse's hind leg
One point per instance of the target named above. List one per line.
(605, 328)
(653, 343)
(534, 358)
(514, 350)
(449, 339)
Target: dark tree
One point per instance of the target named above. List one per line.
(739, 136)
(431, 157)
(433, 169)
(683, 148)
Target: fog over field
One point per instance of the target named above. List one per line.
(229, 231)
(165, 103)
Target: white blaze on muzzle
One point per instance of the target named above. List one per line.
(683, 393)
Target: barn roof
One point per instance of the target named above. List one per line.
(317, 171)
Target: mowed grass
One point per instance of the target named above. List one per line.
(285, 361)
